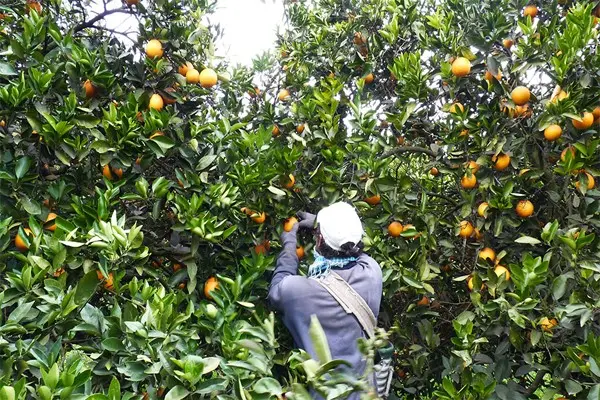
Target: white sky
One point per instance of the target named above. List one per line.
(249, 26)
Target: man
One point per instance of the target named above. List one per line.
(338, 237)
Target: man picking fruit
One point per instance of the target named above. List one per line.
(338, 235)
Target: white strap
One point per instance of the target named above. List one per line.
(350, 301)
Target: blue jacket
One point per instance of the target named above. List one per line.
(298, 297)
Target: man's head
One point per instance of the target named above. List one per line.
(339, 231)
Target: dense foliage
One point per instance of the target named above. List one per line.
(142, 198)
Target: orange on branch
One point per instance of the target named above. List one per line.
(461, 67)
(275, 131)
(106, 172)
(468, 181)
(466, 229)
(300, 128)
(369, 78)
(89, 88)
(210, 285)
(208, 78)
(156, 102)
(289, 182)
(373, 200)
(20, 242)
(524, 209)
(499, 270)
(530, 11)
(455, 108)
(284, 95)
(300, 252)
(395, 229)
(501, 161)
(482, 209)
(289, 223)
(487, 254)
(591, 182)
(192, 76)
(552, 133)
(154, 49)
(260, 218)
(184, 68)
(423, 302)
(434, 171)
(587, 119)
(520, 95)
(51, 217)
(507, 43)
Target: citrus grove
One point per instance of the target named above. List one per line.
(144, 184)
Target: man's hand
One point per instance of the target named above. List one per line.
(307, 220)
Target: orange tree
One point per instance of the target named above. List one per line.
(143, 189)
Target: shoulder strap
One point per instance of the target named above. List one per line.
(350, 301)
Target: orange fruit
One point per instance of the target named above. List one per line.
(169, 99)
(464, 133)
(455, 107)
(210, 285)
(182, 285)
(177, 267)
(586, 122)
(208, 78)
(300, 252)
(369, 79)
(501, 161)
(132, 2)
(522, 111)
(184, 68)
(395, 229)
(596, 112)
(482, 209)
(34, 5)
(283, 95)
(434, 171)
(424, 301)
(58, 273)
(108, 282)
(530, 11)
(156, 102)
(260, 218)
(300, 128)
(358, 39)
(473, 166)
(373, 200)
(508, 43)
(291, 180)
(524, 208)
(20, 243)
(461, 67)
(192, 76)
(118, 172)
(591, 182)
(548, 324)
(487, 254)
(89, 88)
(468, 181)
(106, 172)
(289, 223)
(499, 270)
(470, 284)
(154, 49)
(260, 249)
(51, 217)
(520, 95)
(563, 154)
(466, 229)
(275, 131)
(489, 76)
(552, 133)
(477, 235)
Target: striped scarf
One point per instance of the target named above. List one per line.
(321, 266)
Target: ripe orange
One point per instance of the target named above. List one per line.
(548, 324)
(586, 122)
(487, 254)
(530, 11)
(524, 208)
(499, 270)
(20, 242)
(369, 79)
(358, 39)
(275, 131)
(89, 88)
(106, 172)
(289, 223)
(156, 102)
(395, 229)
(489, 76)
(208, 78)
(108, 282)
(210, 285)
(468, 181)
(455, 107)
(373, 200)
(501, 161)
(508, 43)
(520, 95)
(169, 99)
(262, 248)
(300, 252)
(283, 95)
(482, 209)
(477, 235)
(591, 182)
(51, 217)
(290, 181)
(154, 49)
(34, 5)
(118, 172)
(434, 171)
(563, 154)
(461, 67)
(192, 76)
(470, 284)
(522, 111)
(552, 133)
(464, 133)
(473, 166)
(596, 112)
(424, 301)
(177, 267)
(466, 229)
(300, 128)
(260, 218)
(184, 68)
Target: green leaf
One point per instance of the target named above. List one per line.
(527, 240)
(114, 390)
(113, 344)
(7, 69)
(86, 287)
(20, 312)
(205, 162)
(22, 167)
(268, 386)
(177, 393)
(319, 340)
(559, 286)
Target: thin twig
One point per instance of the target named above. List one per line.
(408, 149)
(91, 22)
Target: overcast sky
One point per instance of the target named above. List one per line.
(249, 26)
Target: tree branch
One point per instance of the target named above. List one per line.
(91, 22)
(539, 378)
(408, 149)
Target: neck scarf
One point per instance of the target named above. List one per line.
(321, 266)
